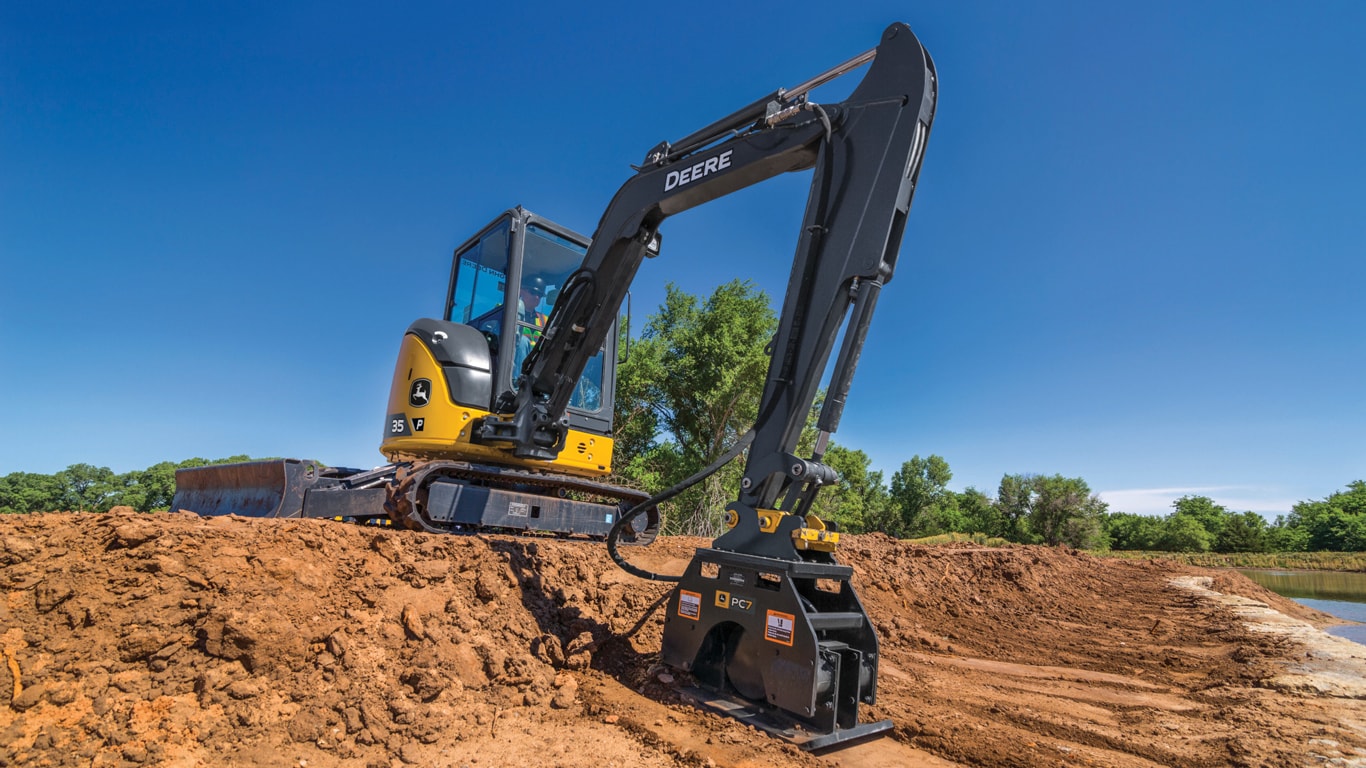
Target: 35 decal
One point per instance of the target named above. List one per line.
(396, 425)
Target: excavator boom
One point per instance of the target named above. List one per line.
(866, 151)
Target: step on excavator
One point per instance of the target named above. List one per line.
(500, 414)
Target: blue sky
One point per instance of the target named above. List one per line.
(1136, 253)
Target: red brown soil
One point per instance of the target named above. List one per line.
(168, 639)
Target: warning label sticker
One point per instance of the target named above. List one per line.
(689, 604)
(779, 627)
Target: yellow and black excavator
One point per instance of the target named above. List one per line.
(499, 415)
(450, 377)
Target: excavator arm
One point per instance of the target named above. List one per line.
(766, 621)
(866, 153)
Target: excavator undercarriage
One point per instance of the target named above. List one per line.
(431, 496)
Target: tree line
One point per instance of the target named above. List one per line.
(689, 387)
(87, 488)
(1197, 524)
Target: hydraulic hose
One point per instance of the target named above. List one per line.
(656, 500)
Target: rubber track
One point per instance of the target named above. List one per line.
(408, 488)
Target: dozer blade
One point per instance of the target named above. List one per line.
(253, 489)
(437, 497)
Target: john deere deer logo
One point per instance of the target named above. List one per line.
(420, 394)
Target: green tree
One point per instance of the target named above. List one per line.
(636, 422)
(1184, 533)
(1014, 497)
(1064, 511)
(981, 515)
(1286, 536)
(127, 491)
(688, 390)
(1204, 511)
(1245, 532)
(922, 504)
(22, 492)
(1339, 531)
(1128, 531)
(1337, 523)
(86, 488)
(157, 483)
(944, 517)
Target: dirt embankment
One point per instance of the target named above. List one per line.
(174, 640)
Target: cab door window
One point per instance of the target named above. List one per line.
(481, 279)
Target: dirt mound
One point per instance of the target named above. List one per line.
(175, 640)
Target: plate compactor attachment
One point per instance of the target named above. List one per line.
(763, 634)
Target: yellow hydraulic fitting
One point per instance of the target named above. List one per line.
(815, 536)
(769, 519)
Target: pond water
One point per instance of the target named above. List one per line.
(1338, 593)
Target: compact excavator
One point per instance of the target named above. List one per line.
(499, 415)
(450, 376)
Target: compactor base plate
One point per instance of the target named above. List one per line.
(773, 723)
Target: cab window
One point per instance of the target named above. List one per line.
(481, 277)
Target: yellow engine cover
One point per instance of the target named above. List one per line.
(441, 428)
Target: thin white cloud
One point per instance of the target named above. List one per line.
(1158, 501)
(1267, 507)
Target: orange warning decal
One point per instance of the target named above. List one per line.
(689, 604)
(779, 627)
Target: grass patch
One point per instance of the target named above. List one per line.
(957, 538)
(1295, 561)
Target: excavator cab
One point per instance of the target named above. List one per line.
(483, 292)
(452, 371)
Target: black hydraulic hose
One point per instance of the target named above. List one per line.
(653, 501)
